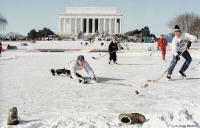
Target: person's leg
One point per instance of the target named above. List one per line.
(114, 57)
(188, 60)
(172, 65)
(68, 72)
(60, 71)
(163, 53)
(110, 58)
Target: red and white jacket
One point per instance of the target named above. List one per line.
(162, 43)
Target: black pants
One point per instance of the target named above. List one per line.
(68, 72)
(113, 56)
(0, 52)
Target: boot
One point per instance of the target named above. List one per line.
(131, 118)
(53, 72)
(115, 62)
(68, 73)
(168, 76)
(13, 117)
(182, 73)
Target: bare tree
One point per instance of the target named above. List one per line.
(185, 21)
(195, 28)
(171, 34)
(3, 22)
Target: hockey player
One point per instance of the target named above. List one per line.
(112, 49)
(180, 43)
(73, 66)
(162, 44)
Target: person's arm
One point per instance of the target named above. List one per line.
(174, 47)
(88, 69)
(72, 68)
(116, 47)
(110, 47)
(190, 37)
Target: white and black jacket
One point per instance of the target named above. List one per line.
(73, 66)
(180, 44)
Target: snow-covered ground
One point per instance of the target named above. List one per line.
(46, 101)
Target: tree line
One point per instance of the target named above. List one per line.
(45, 32)
(144, 32)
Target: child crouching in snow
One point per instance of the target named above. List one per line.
(73, 66)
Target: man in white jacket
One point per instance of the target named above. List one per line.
(73, 66)
(180, 43)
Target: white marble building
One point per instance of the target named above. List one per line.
(90, 20)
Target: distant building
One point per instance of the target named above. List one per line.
(90, 20)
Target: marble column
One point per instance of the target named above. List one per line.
(70, 23)
(116, 25)
(104, 26)
(120, 25)
(81, 25)
(75, 26)
(110, 25)
(59, 25)
(93, 25)
(64, 25)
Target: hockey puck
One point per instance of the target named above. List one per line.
(136, 92)
(146, 85)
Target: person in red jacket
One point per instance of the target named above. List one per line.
(162, 44)
(0, 48)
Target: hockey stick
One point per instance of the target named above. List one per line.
(122, 84)
(160, 77)
(102, 56)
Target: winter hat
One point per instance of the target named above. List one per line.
(177, 28)
(81, 57)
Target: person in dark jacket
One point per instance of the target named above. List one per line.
(113, 47)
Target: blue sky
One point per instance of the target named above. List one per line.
(24, 15)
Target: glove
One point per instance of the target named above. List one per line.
(82, 80)
(177, 58)
(95, 79)
(189, 44)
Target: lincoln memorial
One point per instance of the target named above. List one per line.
(90, 20)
